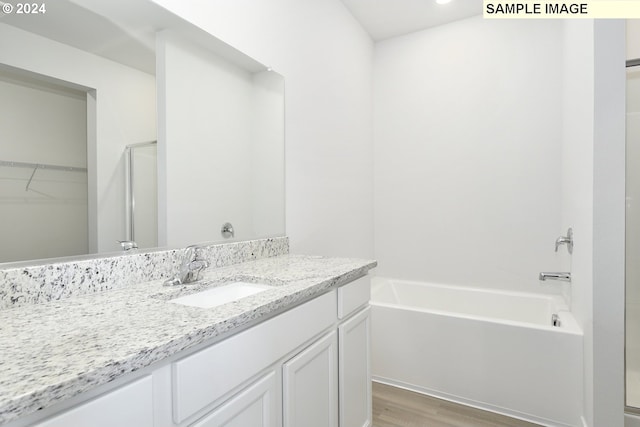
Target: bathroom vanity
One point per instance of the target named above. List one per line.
(100, 341)
(294, 354)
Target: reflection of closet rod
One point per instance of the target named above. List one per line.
(36, 166)
(633, 63)
(41, 166)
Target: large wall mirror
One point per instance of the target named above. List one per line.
(120, 121)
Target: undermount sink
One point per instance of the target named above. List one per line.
(221, 294)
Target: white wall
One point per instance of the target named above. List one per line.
(467, 135)
(593, 182)
(122, 103)
(593, 204)
(577, 177)
(608, 223)
(633, 36)
(325, 57)
(42, 124)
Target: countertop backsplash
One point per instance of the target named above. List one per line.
(36, 284)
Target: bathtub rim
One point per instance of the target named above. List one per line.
(569, 324)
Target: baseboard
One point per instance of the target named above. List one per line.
(475, 404)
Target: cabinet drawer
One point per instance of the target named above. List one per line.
(353, 296)
(204, 377)
(130, 405)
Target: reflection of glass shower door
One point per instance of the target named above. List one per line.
(632, 329)
(142, 194)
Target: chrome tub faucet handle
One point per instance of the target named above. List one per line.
(566, 240)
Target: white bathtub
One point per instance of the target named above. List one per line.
(494, 350)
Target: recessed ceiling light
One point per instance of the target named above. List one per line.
(443, 1)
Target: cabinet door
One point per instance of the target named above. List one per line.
(127, 406)
(310, 386)
(257, 406)
(355, 370)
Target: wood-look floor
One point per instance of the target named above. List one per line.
(395, 407)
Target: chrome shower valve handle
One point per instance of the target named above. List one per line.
(566, 240)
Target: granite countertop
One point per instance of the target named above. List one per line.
(53, 351)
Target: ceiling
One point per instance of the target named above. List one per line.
(121, 30)
(383, 19)
(134, 45)
(74, 24)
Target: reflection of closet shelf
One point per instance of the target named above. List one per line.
(41, 166)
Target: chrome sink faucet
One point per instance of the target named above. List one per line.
(190, 267)
(128, 245)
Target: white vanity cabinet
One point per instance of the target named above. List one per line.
(308, 366)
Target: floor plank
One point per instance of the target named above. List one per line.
(396, 407)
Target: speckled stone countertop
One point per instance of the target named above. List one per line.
(58, 349)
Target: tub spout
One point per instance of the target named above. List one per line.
(564, 277)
